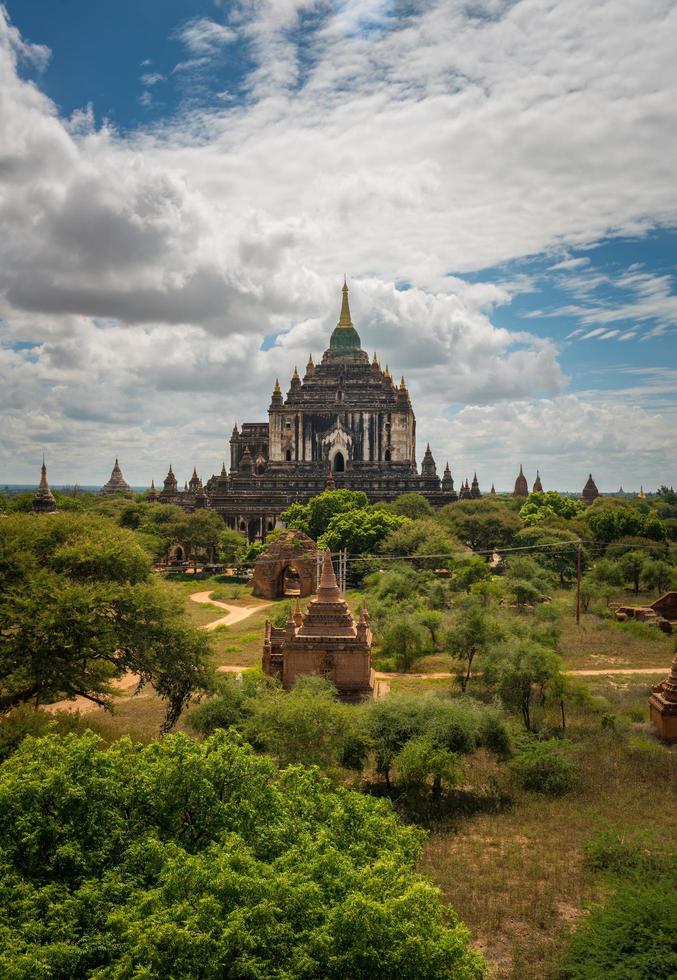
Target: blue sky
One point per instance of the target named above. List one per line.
(183, 184)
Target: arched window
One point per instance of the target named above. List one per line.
(387, 456)
(287, 455)
(260, 467)
(271, 525)
(339, 463)
(243, 526)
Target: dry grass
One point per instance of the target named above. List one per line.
(598, 643)
(517, 879)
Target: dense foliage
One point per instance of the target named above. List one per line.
(187, 859)
(79, 608)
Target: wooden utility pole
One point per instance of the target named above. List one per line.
(578, 586)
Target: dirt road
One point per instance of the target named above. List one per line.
(235, 613)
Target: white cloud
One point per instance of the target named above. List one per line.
(152, 78)
(148, 269)
(203, 36)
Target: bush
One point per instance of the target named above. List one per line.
(630, 938)
(545, 767)
(627, 854)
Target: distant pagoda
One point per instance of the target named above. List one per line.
(521, 485)
(117, 484)
(43, 501)
(538, 486)
(590, 491)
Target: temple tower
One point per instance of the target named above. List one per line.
(43, 501)
(117, 483)
(521, 485)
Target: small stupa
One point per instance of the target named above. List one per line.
(43, 501)
(325, 641)
(663, 706)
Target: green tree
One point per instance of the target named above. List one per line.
(542, 506)
(422, 761)
(79, 609)
(308, 724)
(360, 531)
(404, 640)
(631, 565)
(468, 570)
(611, 523)
(608, 572)
(230, 545)
(188, 859)
(314, 517)
(202, 534)
(473, 634)
(657, 574)
(522, 675)
(430, 620)
(555, 549)
(483, 525)
(412, 505)
(632, 936)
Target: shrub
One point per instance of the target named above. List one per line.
(624, 854)
(545, 767)
(632, 937)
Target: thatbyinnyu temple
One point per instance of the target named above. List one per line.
(345, 423)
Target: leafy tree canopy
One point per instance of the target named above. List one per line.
(542, 506)
(360, 531)
(611, 523)
(315, 516)
(78, 608)
(483, 525)
(201, 860)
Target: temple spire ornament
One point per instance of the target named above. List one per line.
(344, 318)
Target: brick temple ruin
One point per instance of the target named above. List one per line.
(287, 566)
(324, 641)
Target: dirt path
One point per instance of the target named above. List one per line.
(122, 686)
(235, 613)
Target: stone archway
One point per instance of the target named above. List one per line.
(287, 566)
(291, 581)
(339, 462)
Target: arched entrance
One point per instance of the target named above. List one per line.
(339, 463)
(179, 553)
(291, 582)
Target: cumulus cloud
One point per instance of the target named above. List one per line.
(145, 272)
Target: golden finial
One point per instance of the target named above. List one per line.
(295, 375)
(344, 319)
(403, 387)
(277, 390)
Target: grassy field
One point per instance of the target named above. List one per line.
(518, 879)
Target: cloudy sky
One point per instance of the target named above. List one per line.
(183, 184)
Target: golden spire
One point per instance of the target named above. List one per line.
(277, 390)
(403, 387)
(295, 375)
(344, 319)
